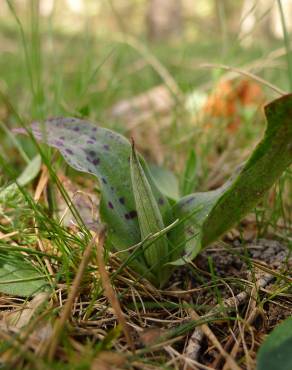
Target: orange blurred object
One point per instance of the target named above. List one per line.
(229, 97)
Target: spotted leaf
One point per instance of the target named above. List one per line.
(105, 154)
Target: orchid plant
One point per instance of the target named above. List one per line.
(153, 232)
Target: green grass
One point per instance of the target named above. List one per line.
(45, 72)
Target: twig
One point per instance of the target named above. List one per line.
(205, 330)
(192, 364)
(194, 345)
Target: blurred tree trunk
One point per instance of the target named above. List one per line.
(261, 20)
(228, 14)
(163, 19)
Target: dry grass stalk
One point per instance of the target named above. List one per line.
(252, 311)
(110, 293)
(247, 74)
(67, 308)
(194, 345)
(44, 178)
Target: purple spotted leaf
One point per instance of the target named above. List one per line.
(105, 154)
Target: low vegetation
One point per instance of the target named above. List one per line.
(151, 228)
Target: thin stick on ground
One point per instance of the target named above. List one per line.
(192, 364)
(204, 328)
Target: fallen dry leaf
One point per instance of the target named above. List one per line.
(20, 321)
(85, 201)
(21, 317)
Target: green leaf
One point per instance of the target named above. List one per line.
(195, 208)
(189, 179)
(30, 171)
(275, 353)
(226, 206)
(149, 217)
(166, 182)
(20, 278)
(105, 154)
